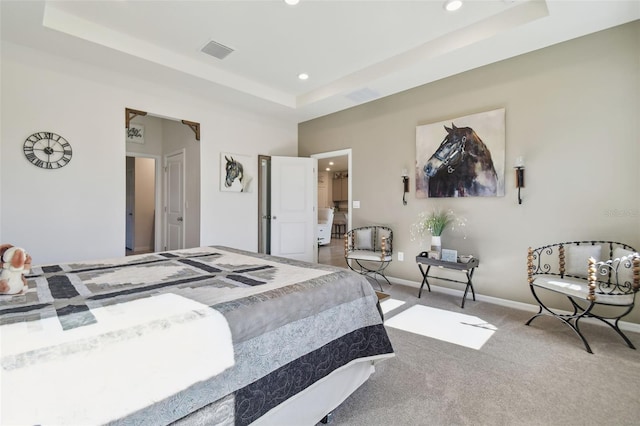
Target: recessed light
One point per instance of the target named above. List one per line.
(328, 169)
(292, 2)
(451, 5)
(303, 76)
(331, 163)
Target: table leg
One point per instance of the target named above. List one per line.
(469, 285)
(424, 279)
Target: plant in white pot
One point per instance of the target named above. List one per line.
(435, 223)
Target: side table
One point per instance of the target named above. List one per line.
(468, 268)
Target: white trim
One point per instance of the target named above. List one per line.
(624, 325)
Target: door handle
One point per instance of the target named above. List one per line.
(179, 219)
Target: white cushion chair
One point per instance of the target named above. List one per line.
(368, 250)
(325, 222)
(600, 279)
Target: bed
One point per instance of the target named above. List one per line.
(209, 335)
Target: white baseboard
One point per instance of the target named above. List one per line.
(627, 326)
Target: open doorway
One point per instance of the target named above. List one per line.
(334, 191)
(142, 203)
(151, 181)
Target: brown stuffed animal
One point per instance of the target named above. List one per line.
(14, 262)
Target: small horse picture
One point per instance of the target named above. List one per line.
(235, 177)
(461, 164)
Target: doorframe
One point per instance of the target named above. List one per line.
(158, 236)
(348, 152)
(166, 190)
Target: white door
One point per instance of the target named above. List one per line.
(174, 208)
(293, 208)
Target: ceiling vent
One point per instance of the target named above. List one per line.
(216, 50)
(363, 95)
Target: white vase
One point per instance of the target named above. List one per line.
(436, 243)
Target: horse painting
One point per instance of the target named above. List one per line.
(461, 166)
(234, 170)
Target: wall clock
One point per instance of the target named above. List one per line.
(47, 150)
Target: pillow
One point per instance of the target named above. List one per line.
(383, 233)
(625, 275)
(363, 239)
(576, 259)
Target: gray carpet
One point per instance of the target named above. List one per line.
(535, 375)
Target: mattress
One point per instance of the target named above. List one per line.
(155, 338)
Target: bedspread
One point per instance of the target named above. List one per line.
(150, 339)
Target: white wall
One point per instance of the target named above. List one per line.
(76, 212)
(145, 176)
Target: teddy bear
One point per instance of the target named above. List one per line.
(14, 262)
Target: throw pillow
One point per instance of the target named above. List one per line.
(363, 239)
(576, 258)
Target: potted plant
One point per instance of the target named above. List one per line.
(435, 223)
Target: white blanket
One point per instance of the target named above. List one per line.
(136, 353)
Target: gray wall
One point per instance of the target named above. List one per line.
(571, 111)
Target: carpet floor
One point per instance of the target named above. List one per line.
(535, 375)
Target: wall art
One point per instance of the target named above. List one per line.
(135, 133)
(461, 157)
(237, 172)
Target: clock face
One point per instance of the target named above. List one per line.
(47, 150)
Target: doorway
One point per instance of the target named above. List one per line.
(142, 203)
(158, 138)
(334, 174)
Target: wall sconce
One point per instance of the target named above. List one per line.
(519, 166)
(405, 182)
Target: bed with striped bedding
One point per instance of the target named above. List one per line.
(209, 334)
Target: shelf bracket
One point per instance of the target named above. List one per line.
(130, 114)
(193, 126)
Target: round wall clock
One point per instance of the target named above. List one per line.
(47, 150)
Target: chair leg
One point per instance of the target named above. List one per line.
(570, 320)
(364, 270)
(624, 336)
(614, 325)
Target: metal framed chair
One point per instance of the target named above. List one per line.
(368, 250)
(601, 289)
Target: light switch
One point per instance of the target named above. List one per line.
(356, 204)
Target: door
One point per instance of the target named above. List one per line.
(264, 204)
(293, 208)
(174, 208)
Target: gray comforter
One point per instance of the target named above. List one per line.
(210, 331)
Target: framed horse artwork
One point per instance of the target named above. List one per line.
(236, 172)
(461, 157)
